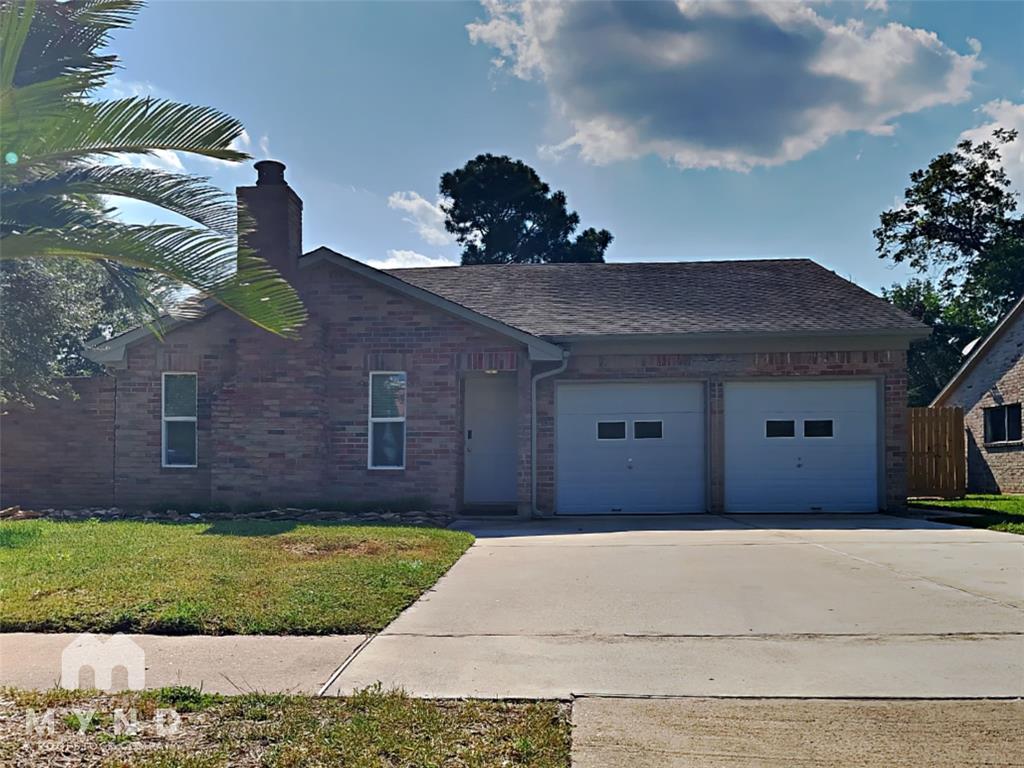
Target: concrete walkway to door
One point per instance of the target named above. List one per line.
(704, 605)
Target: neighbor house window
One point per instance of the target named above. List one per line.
(387, 420)
(646, 430)
(1002, 424)
(611, 430)
(818, 428)
(179, 433)
(779, 428)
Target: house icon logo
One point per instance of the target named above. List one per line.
(103, 657)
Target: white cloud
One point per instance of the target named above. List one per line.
(1002, 113)
(718, 85)
(161, 160)
(116, 88)
(425, 216)
(399, 259)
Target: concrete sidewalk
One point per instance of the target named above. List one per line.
(228, 665)
(728, 733)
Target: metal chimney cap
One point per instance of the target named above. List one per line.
(269, 172)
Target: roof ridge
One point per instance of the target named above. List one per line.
(768, 260)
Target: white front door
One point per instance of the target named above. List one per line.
(801, 446)
(634, 447)
(490, 440)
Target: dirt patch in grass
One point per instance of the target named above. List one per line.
(370, 729)
(355, 548)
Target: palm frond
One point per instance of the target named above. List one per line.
(200, 259)
(190, 196)
(40, 102)
(15, 24)
(136, 125)
(55, 212)
(65, 37)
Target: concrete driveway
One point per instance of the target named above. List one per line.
(704, 605)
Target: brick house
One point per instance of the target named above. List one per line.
(545, 389)
(990, 388)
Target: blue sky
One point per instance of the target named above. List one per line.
(690, 131)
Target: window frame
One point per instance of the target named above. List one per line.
(625, 430)
(165, 419)
(371, 420)
(659, 422)
(1005, 408)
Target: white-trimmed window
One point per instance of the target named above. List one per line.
(387, 420)
(179, 434)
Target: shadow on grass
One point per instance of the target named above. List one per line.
(979, 516)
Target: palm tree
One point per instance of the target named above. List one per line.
(58, 146)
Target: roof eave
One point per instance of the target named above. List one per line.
(896, 334)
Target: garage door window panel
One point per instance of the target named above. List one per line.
(774, 428)
(611, 430)
(647, 430)
(818, 428)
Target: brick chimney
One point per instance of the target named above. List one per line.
(276, 212)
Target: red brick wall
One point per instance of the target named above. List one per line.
(286, 421)
(60, 453)
(888, 366)
(998, 379)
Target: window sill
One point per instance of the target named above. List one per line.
(1005, 444)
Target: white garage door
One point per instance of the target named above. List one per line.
(801, 446)
(630, 448)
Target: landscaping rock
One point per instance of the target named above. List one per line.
(427, 518)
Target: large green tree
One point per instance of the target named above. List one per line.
(49, 308)
(958, 221)
(931, 362)
(957, 227)
(502, 213)
(59, 173)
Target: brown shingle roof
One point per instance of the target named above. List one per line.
(763, 296)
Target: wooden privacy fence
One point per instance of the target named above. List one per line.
(936, 462)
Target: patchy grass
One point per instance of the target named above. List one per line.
(995, 512)
(372, 729)
(245, 577)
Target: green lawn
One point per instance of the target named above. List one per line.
(372, 729)
(251, 577)
(995, 512)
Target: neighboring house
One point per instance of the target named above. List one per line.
(741, 386)
(990, 388)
